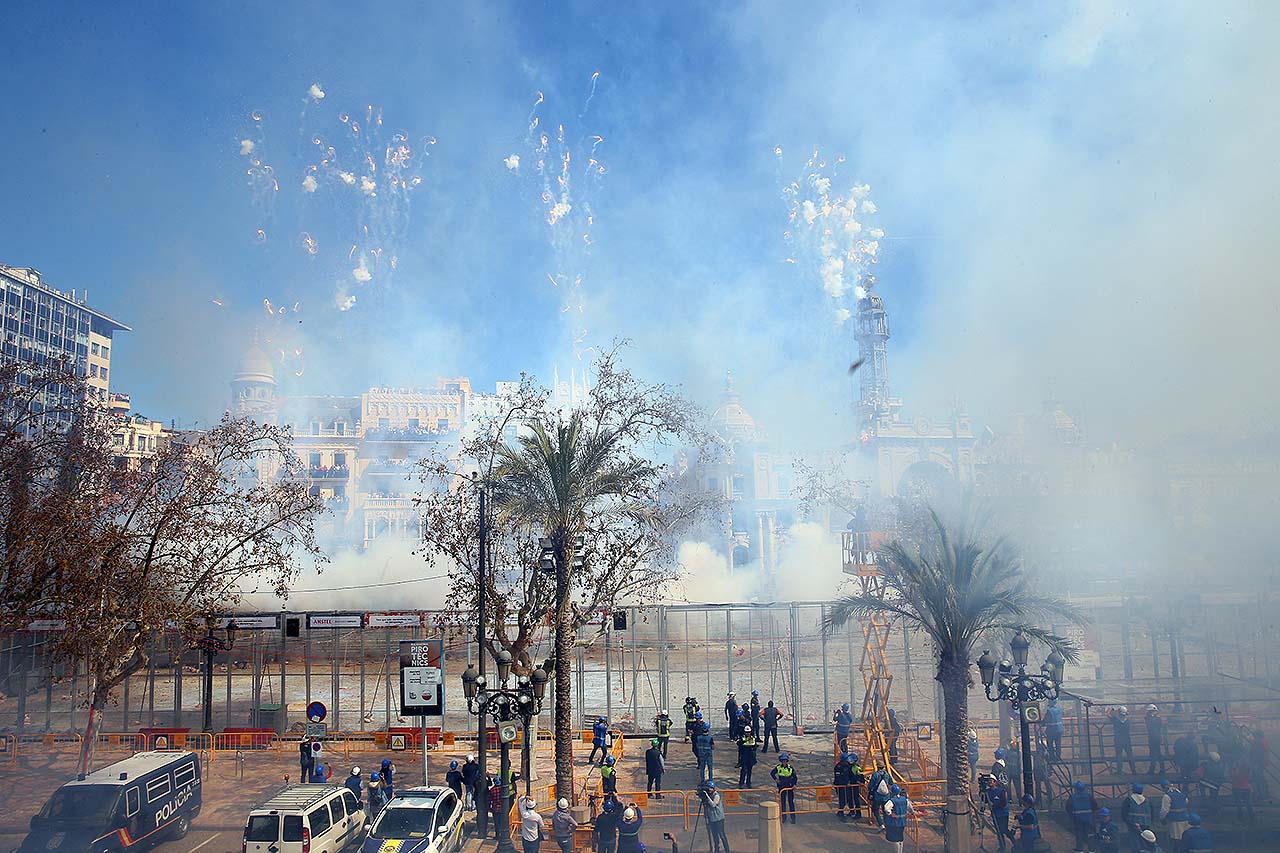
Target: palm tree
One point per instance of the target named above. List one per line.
(560, 481)
(957, 591)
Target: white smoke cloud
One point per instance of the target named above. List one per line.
(309, 184)
(368, 185)
(347, 178)
(246, 147)
(361, 272)
(512, 162)
(345, 301)
(316, 93)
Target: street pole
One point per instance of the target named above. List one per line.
(422, 721)
(208, 681)
(502, 822)
(1024, 730)
(482, 795)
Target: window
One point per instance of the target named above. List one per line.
(158, 788)
(340, 460)
(384, 423)
(106, 353)
(94, 349)
(292, 827)
(93, 371)
(266, 827)
(335, 810)
(315, 460)
(315, 427)
(103, 373)
(353, 805)
(340, 427)
(319, 821)
(131, 802)
(184, 775)
(414, 423)
(443, 423)
(444, 810)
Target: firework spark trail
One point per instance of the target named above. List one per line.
(565, 181)
(830, 231)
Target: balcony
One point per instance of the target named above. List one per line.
(406, 434)
(329, 472)
(404, 467)
(859, 552)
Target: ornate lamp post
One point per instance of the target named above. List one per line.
(210, 645)
(1022, 691)
(512, 708)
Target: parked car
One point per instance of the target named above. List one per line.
(129, 805)
(423, 820)
(305, 818)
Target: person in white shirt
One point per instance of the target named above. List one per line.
(530, 825)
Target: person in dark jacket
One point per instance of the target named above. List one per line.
(306, 759)
(1186, 754)
(754, 712)
(1028, 825)
(388, 773)
(605, 831)
(654, 766)
(563, 825)
(842, 781)
(1082, 805)
(471, 778)
(1137, 813)
(355, 783)
(843, 719)
(746, 756)
(770, 717)
(1122, 732)
(454, 778)
(663, 725)
(785, 775)
(704, 747)
(731, 715)
(608, 775)
(599, 736)
(629, 830)
(856, 783)
(1196, 839)
(877, 793)
(1155, 740)
(1108, 832)
(998, 800)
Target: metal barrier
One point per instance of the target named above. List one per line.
(46, 744)
(110, 741)
(177, 741)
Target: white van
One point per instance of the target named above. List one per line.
(305, 819)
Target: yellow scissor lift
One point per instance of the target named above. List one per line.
(861, 561)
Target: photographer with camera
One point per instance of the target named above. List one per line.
(713, 808)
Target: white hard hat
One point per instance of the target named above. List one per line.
(1124, 709)
(1151, 707)
(628, 813)
(530, 803)
(562, 803)
(1213, 756)
(471, 756)
(664, 712)
(1148, 836)
(355, 771)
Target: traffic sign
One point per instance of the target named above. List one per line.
(317, 731)
(397, 743)
(316, 712)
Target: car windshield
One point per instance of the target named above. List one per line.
(88, 805)
(403, 823)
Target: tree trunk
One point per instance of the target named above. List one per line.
(953, 676)
(89, 747)
(564, 695)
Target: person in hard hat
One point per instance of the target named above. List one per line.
(743, 723)
(530, 825)
(663, 725)
(629, 830)
(843, 719)
(770, 717)
(355, 783)
(975, 752)
(1053, 728)
(1147, 842)
(306, 759)
(471, 779)
(704, 748)
(690, 717)
(746, 756)
(896, 810)
(1213, 775)
(1174, 809)
(454, 778)
(877, 793)
(377, 794)
(599, 735)
(1155, 740)
(998, 799)
(785, 775)
(604, 829)
(713, 808)
(698, 725)
(1196, 839)
(388, 771)
(842, 782)
(857, 780)
(1122, 733)
(608, 775)
(1108, 832)
(1028, 825)
(753, 714)
(731, 715)
(563, 826)
(1137, 813)
(654, 766)
(1082, 805)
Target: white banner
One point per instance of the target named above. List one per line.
(335, 620)
(48, 625)
(250, 622)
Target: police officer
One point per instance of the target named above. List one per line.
(599, 735)
(1028, 825)
(654, 766)
(1081, 805)
(1136, 813)
(704, 748)
(1108, 832)
(608, 775)
(663, 724)
(896, 809)
(785, 775)
(1196, 839)
(770, 717)
(844, 724)
(746, 756)
(731, 715)
(842, 781)
(1053, 730)
(690, 715)
(998, 799)
(1174, 810)
(454, 778)
(754, 714)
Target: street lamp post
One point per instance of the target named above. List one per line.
(210, 645)
(511, 708)
(1021, 690)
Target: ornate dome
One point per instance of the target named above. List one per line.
(255, 366)
(730, 420)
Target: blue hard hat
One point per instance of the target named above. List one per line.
(1028, 800)
(853, 756)
(1193, 819)
(1104, 812)
(1079, 786)
(453, 765)
(845, 706)
(698, 715)
(599, 719)
(1000, 752)
(844, 756)
(609, 759)
(755, 692)
(607, 805)
(711, 783)
(895, 790)
(784, 757)
(374, 776)
(1164, 783)
(706, 727)
(1137, 787)
(386, 762)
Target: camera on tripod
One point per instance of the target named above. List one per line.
(986, 782)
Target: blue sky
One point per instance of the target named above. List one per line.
(1057, 184)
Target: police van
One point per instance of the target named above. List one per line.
(307, 818)
(129, 805)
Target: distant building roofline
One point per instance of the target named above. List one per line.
(31, 276)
